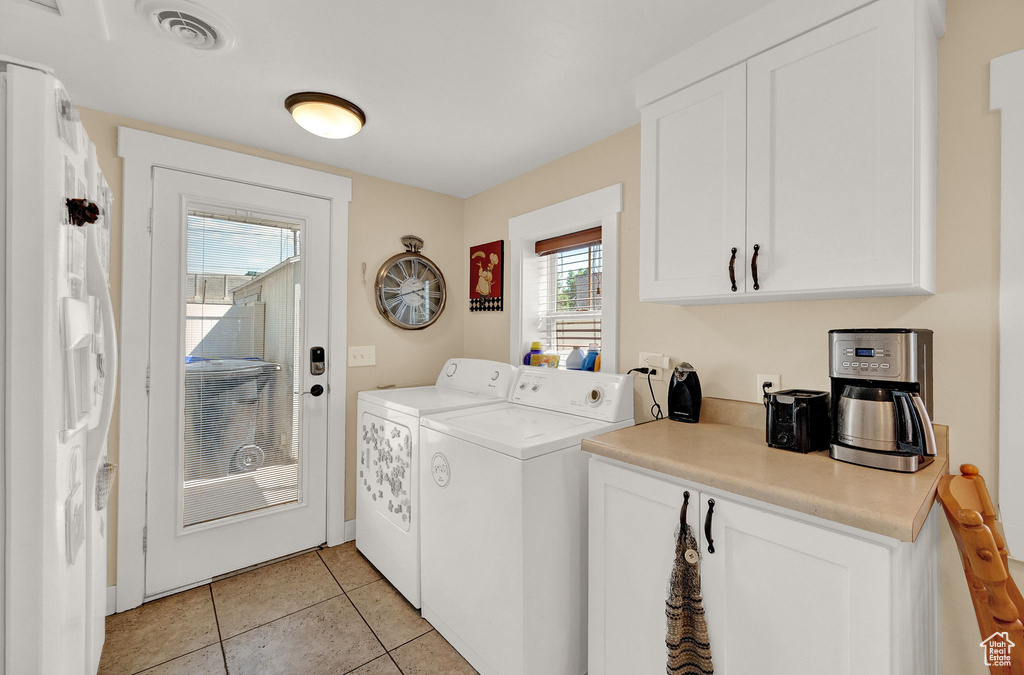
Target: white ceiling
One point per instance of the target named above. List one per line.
(460, 95)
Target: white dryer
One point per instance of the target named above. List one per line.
(387, 501)
(504, 530)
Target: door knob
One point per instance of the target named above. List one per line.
(316, 390)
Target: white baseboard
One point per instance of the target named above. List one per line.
(350, 530)
(111, 600)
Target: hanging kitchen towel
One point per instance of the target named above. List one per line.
(689, 651)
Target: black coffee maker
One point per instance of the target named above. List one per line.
(684, 394)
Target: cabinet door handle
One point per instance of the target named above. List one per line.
(682, 512)
(732, 269)
(753, 267)
(707, 526)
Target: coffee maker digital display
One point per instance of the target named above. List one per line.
(882, 397)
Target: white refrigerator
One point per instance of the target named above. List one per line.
(59, 370)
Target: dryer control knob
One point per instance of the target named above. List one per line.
(450, 370)
(495, 375)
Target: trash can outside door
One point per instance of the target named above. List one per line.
(223, 402)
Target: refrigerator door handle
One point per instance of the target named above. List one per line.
(97, 287)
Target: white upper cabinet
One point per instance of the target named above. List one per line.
(694, 167)
(827, 188)
(830, 157)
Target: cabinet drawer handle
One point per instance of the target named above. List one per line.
(732, 269)
(682, 512)
(707, 526)
(753, 267)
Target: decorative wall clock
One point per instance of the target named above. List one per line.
(410, 288)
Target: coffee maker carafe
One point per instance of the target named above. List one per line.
(882, 397)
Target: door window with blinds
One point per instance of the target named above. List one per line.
(241, 364)
(568, 305)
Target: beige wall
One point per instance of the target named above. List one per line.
(381, 212)
(730, 344)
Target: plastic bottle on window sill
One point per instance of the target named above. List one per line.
(534, 349)
(590, 360)
(575, 359)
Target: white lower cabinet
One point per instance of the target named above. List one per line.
(781, 595)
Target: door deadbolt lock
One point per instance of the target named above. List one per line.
(317, 363)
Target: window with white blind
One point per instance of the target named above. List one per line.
(569, 299)
(564, 277)
(242, 365)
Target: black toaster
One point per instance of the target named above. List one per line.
(797, 419)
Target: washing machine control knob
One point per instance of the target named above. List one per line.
(494, 375)
(450, 370)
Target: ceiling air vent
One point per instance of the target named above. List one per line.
(187, 24)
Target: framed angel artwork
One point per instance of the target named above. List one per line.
(486, 276)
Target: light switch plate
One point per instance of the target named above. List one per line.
(362, 356)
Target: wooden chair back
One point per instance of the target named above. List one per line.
(997, 600)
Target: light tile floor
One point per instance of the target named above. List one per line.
(328, 611)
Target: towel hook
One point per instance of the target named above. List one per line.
(682, 512)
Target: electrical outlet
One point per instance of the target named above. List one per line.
(657, 362)
(776, 381)
(362, 356)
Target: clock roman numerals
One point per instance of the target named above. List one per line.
(410, 291)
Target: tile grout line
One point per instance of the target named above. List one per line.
(198, 649)
(267, 623)
(429, 630)
(380, 577)
(372, 632)
(402, 672)
(157, 665)
(363, 618)
(283, 616)
(387, 651)
(220, 635)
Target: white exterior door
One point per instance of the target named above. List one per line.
(831, 150)
(783, 596)
(693, 194)
(237, 460)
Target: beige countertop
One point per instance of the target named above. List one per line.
(736, 459)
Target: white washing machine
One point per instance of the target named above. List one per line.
(387, 500)
(504, 530)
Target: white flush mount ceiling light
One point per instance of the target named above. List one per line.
(188, 24)
(325, 115)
